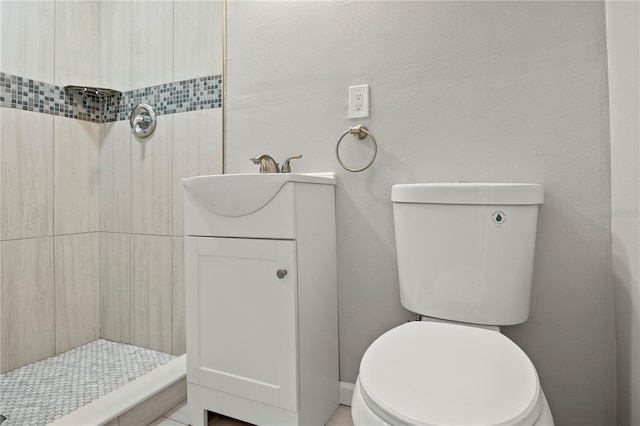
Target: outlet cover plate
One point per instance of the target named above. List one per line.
(359, 101)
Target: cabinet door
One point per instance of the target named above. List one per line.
(242, 318)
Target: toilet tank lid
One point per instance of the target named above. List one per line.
(468, 193)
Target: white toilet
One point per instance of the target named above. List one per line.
(465, 260)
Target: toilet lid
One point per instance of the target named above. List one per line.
(424, 373)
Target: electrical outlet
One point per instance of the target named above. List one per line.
(359, 101)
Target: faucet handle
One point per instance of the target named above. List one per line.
(286, 166)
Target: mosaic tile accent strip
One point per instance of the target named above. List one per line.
(30, 95)
(170, 98)
(39, 393)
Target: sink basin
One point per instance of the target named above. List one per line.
(244, 193)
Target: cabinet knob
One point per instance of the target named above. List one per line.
(281, 273)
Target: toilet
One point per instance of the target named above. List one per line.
(465, 262)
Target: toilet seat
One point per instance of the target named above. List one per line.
(424, 373)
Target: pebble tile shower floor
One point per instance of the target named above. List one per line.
(39, 393)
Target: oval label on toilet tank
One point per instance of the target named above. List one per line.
(499, 217)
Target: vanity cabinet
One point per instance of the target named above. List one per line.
(261, 302)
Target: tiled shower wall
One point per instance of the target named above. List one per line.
(91, 217)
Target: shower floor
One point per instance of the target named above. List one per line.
(39, 393)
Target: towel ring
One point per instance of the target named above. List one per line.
(359, 132)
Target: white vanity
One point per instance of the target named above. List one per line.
(261, 297)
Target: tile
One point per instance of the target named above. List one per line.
(179, 321)
(197, 39)
(178, 413)
(147, 411)
(46, 98)
(115, 287)
(151, 180)
(77, 43)
(39, 393)
(77, 284)
(76, 160)
(26, 178)
(163, 421)
(28, 28)
(197, 150)
(115, 177)
(152, 56)
(341, 417)
(151, 292)
(27, 304)
(115, 45)
(168, 98)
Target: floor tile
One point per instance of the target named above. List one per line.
(39, 393)
(178, 413)
(163, 421)
(342, 417)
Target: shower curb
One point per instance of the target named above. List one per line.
(126, 399)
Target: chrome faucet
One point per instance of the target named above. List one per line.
(267, 163)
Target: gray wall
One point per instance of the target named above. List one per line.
(476, 91)
(623, 46)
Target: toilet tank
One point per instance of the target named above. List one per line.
(465, 250)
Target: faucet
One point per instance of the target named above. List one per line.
(267, 163)
(286, 167)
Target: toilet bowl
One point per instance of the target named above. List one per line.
(426, 373)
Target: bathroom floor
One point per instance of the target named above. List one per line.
(39, 393)
(177, 416)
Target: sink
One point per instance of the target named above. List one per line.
(242, 194)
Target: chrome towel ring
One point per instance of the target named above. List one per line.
(359, 132)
